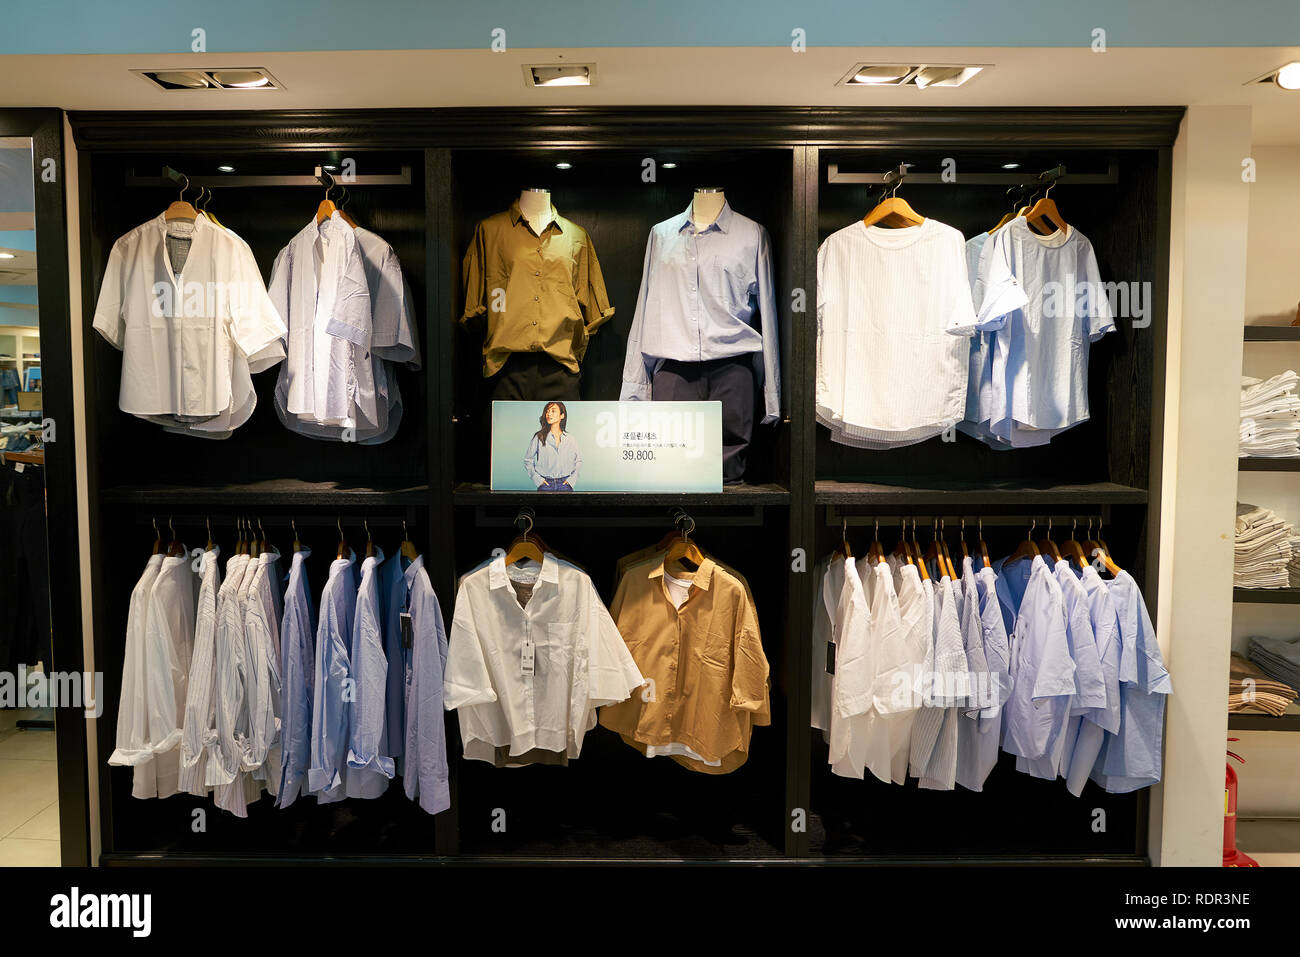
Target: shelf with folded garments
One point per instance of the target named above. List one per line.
(663, 810)
(1031, 817)
(1259, 463)
(271, 492)
(1267, 596)
(905, 491)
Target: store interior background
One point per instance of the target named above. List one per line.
(1234, 256)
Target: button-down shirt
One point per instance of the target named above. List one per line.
(704, 660)
(200, 730)
(540, 293)
(326, 777)
(579, 659)
(180, 329)
(700, 290)
(978, 740)
(224, 771)
(298, 679)
(553, 459)
(1092, 728)
(132, 740)
(262, 638)
(843, 700)
(370, 767)
(424, 774)
(392, 594)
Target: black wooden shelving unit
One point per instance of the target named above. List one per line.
(612, 804)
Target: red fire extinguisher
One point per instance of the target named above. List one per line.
(1231, 856)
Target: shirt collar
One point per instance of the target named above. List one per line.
(498, 577)
(702, 578)
(517, 217)
(200, 223)
(723, 222)
(412, 570)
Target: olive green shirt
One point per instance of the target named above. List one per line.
(540, 293)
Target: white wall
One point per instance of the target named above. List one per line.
(1207, 304)
(1270, 781)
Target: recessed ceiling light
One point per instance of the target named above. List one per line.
(6, 255)
(920, 76)
(236, 78)
(564, 166)
(226, 169)
(330, 168)
(1288, 78)
(669, 165)
(1011, 166)
(882, 75)
(560, 74)
(241, 79)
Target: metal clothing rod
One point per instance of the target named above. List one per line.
(212, 182)
(1060, 523)
(1017, 178)
(565, 519)
(226, 520)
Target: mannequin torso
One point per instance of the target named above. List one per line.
(535, 204)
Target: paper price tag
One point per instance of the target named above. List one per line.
(526, 658)
(830, 657)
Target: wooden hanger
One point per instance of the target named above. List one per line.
(1027, 548)
(407, 547)
(684, 549)
(901, 551)
(947, 555)
(1072, 548)
(526, 545)
(916, 554)
(181, 209)
(176, 548)
(843, 547)
(157, 542)
(370, 542)
(892, 211)
(263, 543)
(208, 522)
(1096, 548)
(983, 546)
(1044, 211)
(326, 209)
(1047, 545)
(343, 550)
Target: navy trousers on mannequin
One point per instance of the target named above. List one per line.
(729, 381)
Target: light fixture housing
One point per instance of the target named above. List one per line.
(559, 74)
(223, 78)
(921, 76)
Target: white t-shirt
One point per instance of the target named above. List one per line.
(180, 332)
(887, 374)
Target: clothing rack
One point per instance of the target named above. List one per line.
(1057, 174)
(172, 177)
(836, 517)
(484, 516)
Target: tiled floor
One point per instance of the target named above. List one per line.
(1271, 841)
(29, 806)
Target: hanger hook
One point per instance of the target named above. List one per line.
(208, 522)
(338, 520)
(1049, 526)
(181, 196)
(156, 530)
(1073, 529)
(876, 534)
(1033, 524)
(294, 526)
(366, 525)
(980, 519)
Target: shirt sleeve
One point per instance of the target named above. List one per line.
(352, 315)
(163, 669)
(771, 330)
(366, 740)
(474, 276)
(854, 675)
(530, 461)
(577, 460)
(636, 370)
(394, 337)
(961, 320)
(467, 681)
(425, 777)
(258, 326)
(1098, 317)
(108, 309)
(749, 675)
(1055, 675)
(592, 296)
(612, 674)
(1002, 291)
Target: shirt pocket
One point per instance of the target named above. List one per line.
(732, 283)
(715, 650)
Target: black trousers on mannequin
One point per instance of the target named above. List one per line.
(729, 381)
(529, 376)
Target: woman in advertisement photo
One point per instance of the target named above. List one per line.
(553, 458)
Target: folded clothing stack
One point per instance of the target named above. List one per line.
(1279, 658)
(1262, 550)
(1251, 689)
(1270, 416)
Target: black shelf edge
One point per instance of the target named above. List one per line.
(831, 492)
(277, 492)
(1267, 596)
(1273, 333)
(1260, 464)
(476, 493)
(1241, 721)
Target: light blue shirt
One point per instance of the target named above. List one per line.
(1041, 668)
(700, 290)
(297, 626)
(369, 765)
(329, 721)
(553, 459)
(1093, 727)
(977, 739)
(425, 773)
(1131, 759)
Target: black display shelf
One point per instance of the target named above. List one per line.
(1261, 464)
(1267, 596)
(831, 492)
(1241, 721)
(475, 493)
(273, 492)
(1273, 333)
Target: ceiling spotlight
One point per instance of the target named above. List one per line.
(1011, 166)
(669, 165)
(6, 255)
(561, 74)
(563, 165)
(226, 169)
(1288, 78)
(330, 168)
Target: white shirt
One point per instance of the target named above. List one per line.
(842, 627)
(261, 636)
(179, 332)
(887, 374)
(200, 729)
(132, 708)
(169, 641)
(883, 744)
(1044, 298)
(580, 661)
(225, 772)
